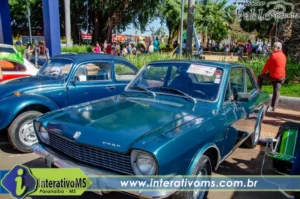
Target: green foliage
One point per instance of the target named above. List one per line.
(291, 90)
(77, 49)
(215, 17)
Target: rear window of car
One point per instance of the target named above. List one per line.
(6, 50)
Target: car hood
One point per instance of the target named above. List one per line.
(7, 88)
(116, 124)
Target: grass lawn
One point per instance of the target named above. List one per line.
(291, 90)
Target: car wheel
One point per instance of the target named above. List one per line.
(202, 171)
(253, 139)
(21, 131)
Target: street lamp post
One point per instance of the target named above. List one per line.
(181, 28)
(29, 22)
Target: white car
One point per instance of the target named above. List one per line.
(12, 69)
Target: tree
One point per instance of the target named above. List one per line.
(214, 17)
(190, 25)
(68, 22)
(294, 42)
(170, 12)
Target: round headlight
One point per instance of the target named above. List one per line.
(41, 132)
(143, 163)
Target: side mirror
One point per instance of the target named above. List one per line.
(243, 97)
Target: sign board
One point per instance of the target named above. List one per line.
(86, 36)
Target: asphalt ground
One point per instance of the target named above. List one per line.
(241, 162)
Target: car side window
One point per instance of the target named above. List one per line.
(237, 80)
(227, 94)
(249, 82)
(123, 72)
(93, 71)
(11, 66)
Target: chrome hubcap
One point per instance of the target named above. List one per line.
(199, 193)
(27, 134)
(257, 130)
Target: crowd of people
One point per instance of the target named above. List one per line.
(37, 54)
(122, 49)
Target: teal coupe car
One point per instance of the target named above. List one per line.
(174, 118)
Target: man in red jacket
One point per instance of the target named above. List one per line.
(274, 72)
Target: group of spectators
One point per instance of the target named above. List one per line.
(37, 54)
(122, 49)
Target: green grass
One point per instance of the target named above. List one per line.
(291, 90)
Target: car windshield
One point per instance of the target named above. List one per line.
(58, 68)
(193, 81)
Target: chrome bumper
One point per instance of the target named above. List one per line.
(52, 158)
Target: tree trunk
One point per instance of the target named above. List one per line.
(295, 38)
(96, 26)
(190, 23)
(68, 22)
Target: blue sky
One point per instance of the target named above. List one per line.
(157, 24)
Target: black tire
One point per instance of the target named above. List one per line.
(203, 163)
(14, 134)
(251, 142)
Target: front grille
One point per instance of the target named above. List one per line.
(91, 155)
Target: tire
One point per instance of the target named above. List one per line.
(204, 166)
(253, 139)
(21, 131)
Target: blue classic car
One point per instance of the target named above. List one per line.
(174, 118)
(64, 80)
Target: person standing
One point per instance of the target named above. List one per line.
(28, 53)
(41, 53)
(156, 44)
(274, 72)
(97, 48)
(249, 49)
(108, 49)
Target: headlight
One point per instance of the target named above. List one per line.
(41, 132)
(143, 163)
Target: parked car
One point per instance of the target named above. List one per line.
(14, 68)
(174, 118)
(64, 80)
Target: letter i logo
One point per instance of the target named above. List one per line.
(20, 188)
(19, 182)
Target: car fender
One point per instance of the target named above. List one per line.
(12, 105)
(199, 153)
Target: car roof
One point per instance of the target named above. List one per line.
(225, 65)
(80, 57)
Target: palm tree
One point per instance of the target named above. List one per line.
(68, 22)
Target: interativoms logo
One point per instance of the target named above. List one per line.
(19, 182)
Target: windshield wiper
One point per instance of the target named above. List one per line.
(173, 90)
(143, 89)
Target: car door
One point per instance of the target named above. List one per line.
(123, 73)
(91, 81)
(234, 112)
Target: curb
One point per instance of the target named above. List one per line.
(290, 103)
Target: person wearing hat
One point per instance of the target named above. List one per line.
(274, 72)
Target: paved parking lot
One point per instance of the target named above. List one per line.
(241, 162)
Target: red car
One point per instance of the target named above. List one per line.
(12, 69)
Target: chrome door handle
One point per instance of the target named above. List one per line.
(110, 88)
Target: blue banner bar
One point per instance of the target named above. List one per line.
(2, 174)
(188, 183)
